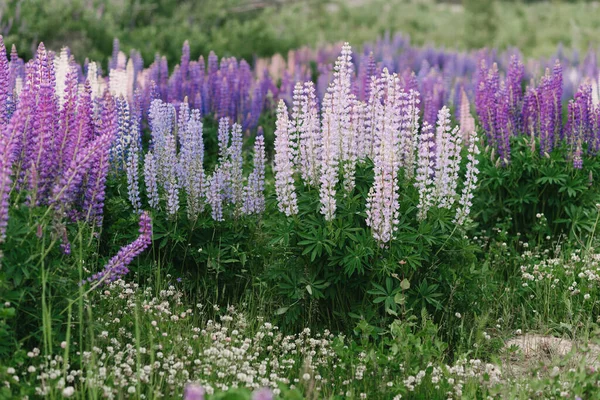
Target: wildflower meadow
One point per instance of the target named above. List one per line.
(371, 220)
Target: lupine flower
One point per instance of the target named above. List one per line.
(214, 194)
(425, 170)
(447, 147)
(409, 132)
(309, 139)
(284, 164)
(263, 394)
(254, 201)
(193, 391)
(150, 178)
(131, 167)
(464, 208)
(335, 126)
(234, 176)
(4, 83)
(191, 159)
(116, 268)
(349, 144)
(8, 141)
(383, 199)
(96, 183)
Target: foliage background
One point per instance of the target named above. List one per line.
(248, 28)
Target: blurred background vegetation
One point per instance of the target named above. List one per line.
(248, 28)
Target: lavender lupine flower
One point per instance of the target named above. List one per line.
(464, 203)
(284, 164)
(235, 177)
(504, 126)
(4, 83)
(150, 178)
(383, 199)
(310, 136)
(425, 171)
(214, 194)
(254, 202)
(335, 126)
(191, 160)
(117, 266)
(123, 137)
(131, 167)
(193, 391)
(223, 138)
(447, 148)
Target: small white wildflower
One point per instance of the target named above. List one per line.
(68, 391)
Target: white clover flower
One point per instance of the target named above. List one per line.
(68, 391)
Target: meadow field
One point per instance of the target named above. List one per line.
(299, 200)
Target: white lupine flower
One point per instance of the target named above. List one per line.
(335, 126)
(284, 164)
(425, 170)
(462, 212)
(383, 199)
(409, 133)
(309, 136)
(447, 165)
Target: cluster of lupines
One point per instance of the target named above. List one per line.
(385, 129)
(175, 165)
(54, 147)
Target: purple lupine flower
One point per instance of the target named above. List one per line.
(284, 164)
(4, 83)
(95, 190)
(514, 78)
(485, 99)
(193, 391)
(504, 126)
(383, 200)
(68, 120)
(150, 178)
(254, 202)
(9, 137)
(464, 203)
(117, 267)
(63, 193)
(425, 170)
